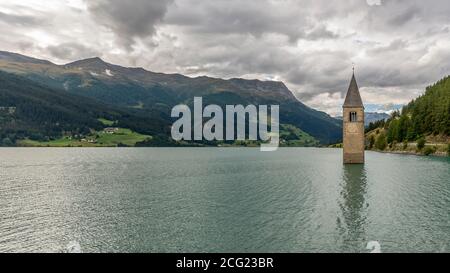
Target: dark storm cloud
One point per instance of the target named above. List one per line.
(129, 19)
(404, 16)
(393, 14)
(323, 40)
(73, 51)
(320, 32)
(396, 15)
(20, 20)
(256, 18)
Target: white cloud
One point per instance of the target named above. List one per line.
(373, 2)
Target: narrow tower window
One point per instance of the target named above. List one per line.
(353, 117)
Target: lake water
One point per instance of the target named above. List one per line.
(221, 200)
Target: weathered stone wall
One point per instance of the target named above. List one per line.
(353, 136)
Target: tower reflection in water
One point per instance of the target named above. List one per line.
(351, 222)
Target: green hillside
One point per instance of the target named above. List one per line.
(429, 114)
(293, 136)
(122, 137)
(147, 94)
(424, 121)
(29, 110)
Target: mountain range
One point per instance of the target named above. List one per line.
(78, 94)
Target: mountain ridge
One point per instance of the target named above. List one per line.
(6, 55)
(152, 93)
(98, 61)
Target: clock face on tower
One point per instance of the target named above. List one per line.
(352, 128)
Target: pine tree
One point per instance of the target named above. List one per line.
(381, 143)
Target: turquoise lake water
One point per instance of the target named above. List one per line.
(221, 200)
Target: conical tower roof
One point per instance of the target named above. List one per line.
(353, 98)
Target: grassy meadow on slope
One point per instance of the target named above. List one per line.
(122, 137)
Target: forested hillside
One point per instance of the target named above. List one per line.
(429, 114)
(32, 114)
(425, 118)
(30, 110)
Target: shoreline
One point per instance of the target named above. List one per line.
(437, 154)
(412, 153)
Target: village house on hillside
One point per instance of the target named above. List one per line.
(110, 130)
(88, 140)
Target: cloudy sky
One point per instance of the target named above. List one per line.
(398, 46)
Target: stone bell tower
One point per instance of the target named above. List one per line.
(353, 117)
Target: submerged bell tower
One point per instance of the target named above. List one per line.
(353, 118)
